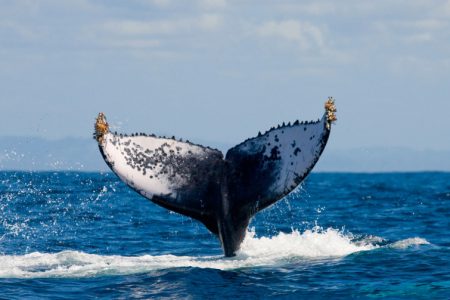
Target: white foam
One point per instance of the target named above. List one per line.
(310, 245)
(403, 244)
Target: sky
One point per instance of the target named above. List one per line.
(222, 70)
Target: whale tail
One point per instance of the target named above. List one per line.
(222, 193)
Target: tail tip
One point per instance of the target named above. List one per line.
(101, 127)
(330, 109)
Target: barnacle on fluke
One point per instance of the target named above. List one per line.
(101, 127)
(330, 107)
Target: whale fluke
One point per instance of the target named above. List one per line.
(222, 193)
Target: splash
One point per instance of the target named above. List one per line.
(313, 243)
(284, 248)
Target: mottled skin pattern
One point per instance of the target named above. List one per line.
(223, 194)
(194, 179)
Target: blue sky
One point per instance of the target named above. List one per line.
(221, 70)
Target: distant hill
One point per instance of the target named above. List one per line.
(81, 154)
(383, 160)
(30, 153)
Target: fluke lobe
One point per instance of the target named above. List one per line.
(222, 193)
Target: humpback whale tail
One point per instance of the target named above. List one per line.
(222, 193)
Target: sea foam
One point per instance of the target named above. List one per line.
(311, 245)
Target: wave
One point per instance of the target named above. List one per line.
(310, 245)
(403, 244)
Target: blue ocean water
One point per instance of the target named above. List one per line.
(87, 235)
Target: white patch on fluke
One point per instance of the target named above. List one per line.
(309, 246)
(153, 182)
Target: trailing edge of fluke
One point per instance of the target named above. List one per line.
(222, 193)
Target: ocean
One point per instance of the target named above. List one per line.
(75, 235)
